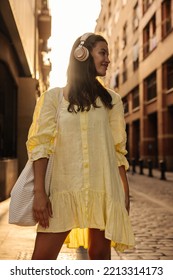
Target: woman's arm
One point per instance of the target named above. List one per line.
(41, 206)
(126, 186)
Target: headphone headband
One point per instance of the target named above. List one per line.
(85, 36)
(81, 53)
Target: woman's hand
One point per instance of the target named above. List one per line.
(42, 208)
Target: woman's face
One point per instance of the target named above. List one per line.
(100, 56)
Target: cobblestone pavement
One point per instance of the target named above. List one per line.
(151, 216)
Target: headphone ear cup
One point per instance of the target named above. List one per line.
(81, 53)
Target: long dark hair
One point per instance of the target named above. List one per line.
(82, 81)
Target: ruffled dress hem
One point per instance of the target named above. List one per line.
(100, 212)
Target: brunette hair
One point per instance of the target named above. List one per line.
(82, 81)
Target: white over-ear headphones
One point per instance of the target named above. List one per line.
(81, 53)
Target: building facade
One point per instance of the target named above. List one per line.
(25, 27)
(140, 37)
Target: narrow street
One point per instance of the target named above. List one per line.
(151, 215)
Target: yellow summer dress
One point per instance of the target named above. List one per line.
(86, 189)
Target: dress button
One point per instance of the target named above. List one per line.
(86, 165)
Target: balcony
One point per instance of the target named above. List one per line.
(44, 25)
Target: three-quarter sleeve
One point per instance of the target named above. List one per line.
(117, 124)
(42, 132)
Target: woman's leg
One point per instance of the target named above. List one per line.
(99, 248)
(48, 245)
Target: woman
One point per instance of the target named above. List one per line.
(89, 193)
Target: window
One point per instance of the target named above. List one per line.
(124, 39)
(146, 5)
(135, 56)
(115, 80)
(149, 37)
(136, 16)
(125, 69)
(135, 97)
(126, 105)
(166, 18)
(150, 88)
(146, 40)
(109, 9)
(168, 74)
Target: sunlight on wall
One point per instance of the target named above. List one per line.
(70, 19)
